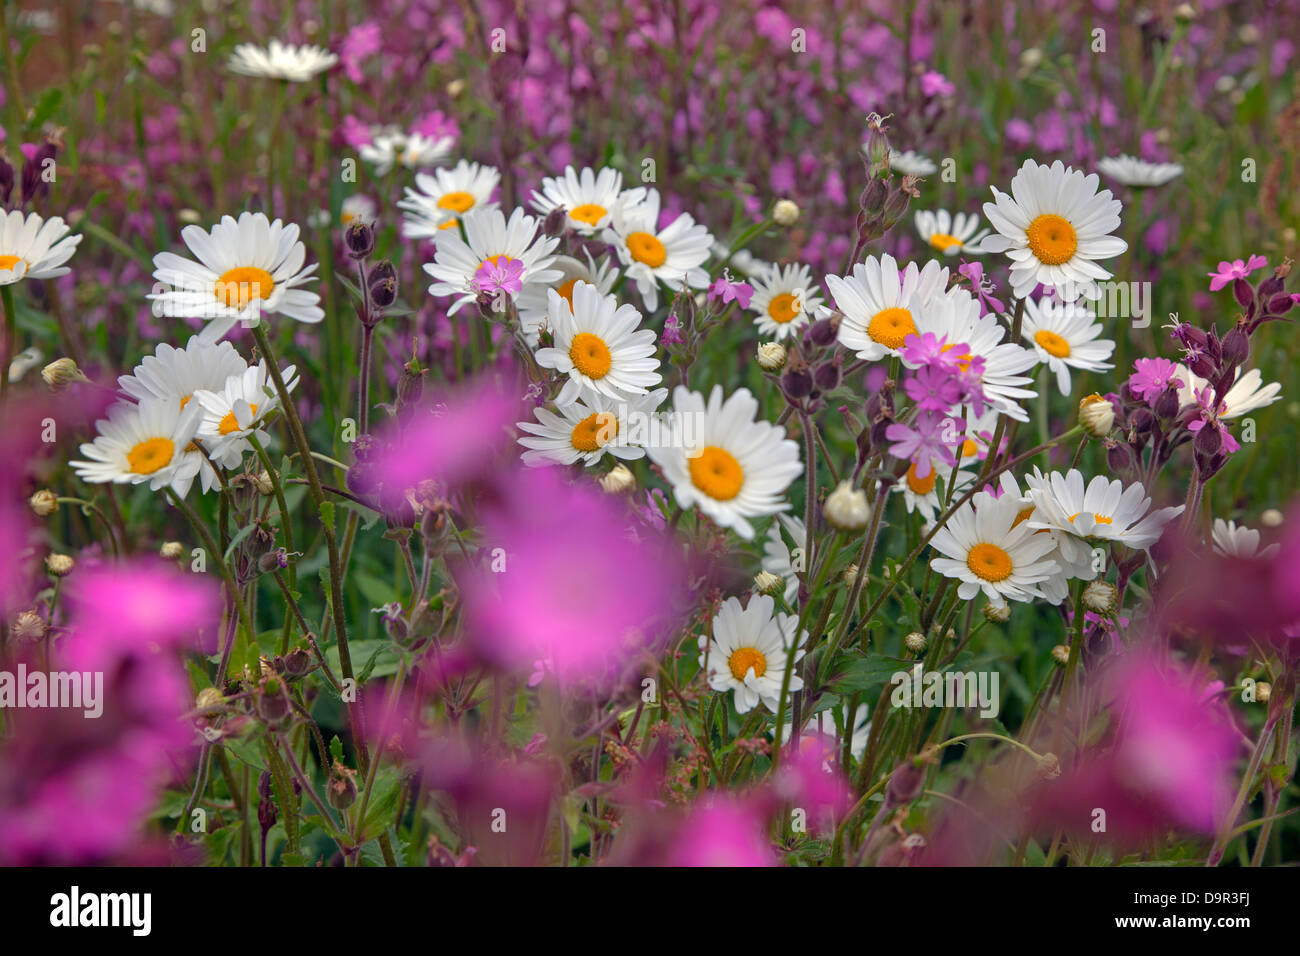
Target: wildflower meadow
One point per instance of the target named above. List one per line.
(571, 434)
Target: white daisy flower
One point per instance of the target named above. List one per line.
(672, 255)
(34, 248)
(1073, 562)
(882, 306)
(176, 374)
(1065, 336)
(911, 163)
(951, 234)
(1054, 226)
(589, 197)
(922, 495)
(245, 268)
(534, 302)
(956, 317)
(391, 148)
(986, 549)
(719, 458)
(357, 208)
(1246, 394)
(237, 409)
(784, 560)
(599, 346)
(491, 239)
(440, 198)
(282, 61)
(1237, 541)
(750, 651)
(1131, 171)
(1105, 511)
(143, 443)
(784, 298)
(588, 428)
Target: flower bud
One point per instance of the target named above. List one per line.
(341, 788)
(1097, 415)
(383, 294)
(1118, 457)
(827, 375)
(1271, 518)
(59, 565)
(1061, 654)
(850, 575)
(1281, 304)
(297, 663)
(359, 238)
(765, 582)
(1100, 597)
(823, 332)
(846, 508)
(61, 373)
(785, 213)
(1243, 292)
(1167, 405)
(209, 699)
(771, 356)
(1263, 691)
(171, 550)
(997, 613)
(1236, 345)
(618, 480)
(273, 703)
(27, 626)
(915, 643)
(1049, 767)
(43, 503)
(904, 785)
(1208, 441)
(556, 222)
(797, 381)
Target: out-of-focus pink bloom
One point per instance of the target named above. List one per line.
(1236, 269)
(936, 84)
(722, 832)
(562, 579)
(363, 40)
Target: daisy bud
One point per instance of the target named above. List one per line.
(1100, 597)
(61, 373)
(771, 356)
(359, 239)
(765, 582)
(209, 699)
(261, 482)
(171, 550)
(1096, 415)
(190, 217)
(850, 575)
(846, 508)
(1271, 518)
(43, 503)
(59, 565)
(618, 481)
(455, 88)
(915, 643)
(1263, 691)
(1049, 766)
(341, 790)
(1061, 654)
(1185, 11)
(28, 626)
(997, 613)
(785, 213)
(1031, 57)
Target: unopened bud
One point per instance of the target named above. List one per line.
(61, 373)
(1263, 691)
(997, 613)
(765, 582)
(341, 788)
(1061, 654)
(846, 508)
(27, 626)
(59, 565)
(1097, 415)
(915, 643)
(261, 480)
(359, 238)
(771, 356)
(618, 480)
(1049, 766)
(850, 575)
(43, 503)
(171, 550)
(1100, 597)
(785, 213)
(209, 699)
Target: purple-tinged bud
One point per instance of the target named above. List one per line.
(35, 184)
(796, 380)
(556, 222)
(1208, 441)
(823, 332)
(1236, 345)
(383, 294)
(1281, 304)
(1166, 406)
(1143, 420)
(1270, 286)
(297, 663)
(1242, 292)
(1118, 457)
(381, 271)
(905, 784)
(6, 181)
(359, 239)
(827, 375)
(266, 814)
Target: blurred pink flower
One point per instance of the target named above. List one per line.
(1237, 269)
(722, 832)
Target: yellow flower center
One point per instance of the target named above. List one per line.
(595, 431)
(590, 355)
(185, 400)
(1052, 344)
(8, 262)
(943, 242)
(566, 292)
(1100, 519)
(963, 361)
(646, 249)
(241, 285)
(150, 455)
(1052, 239)
(921, 486)
(783, 308)
(1024, 515)
(969, 449)
(589, 213)
(230, 424)
(744, 658)
(456, 202)
(890, 327)
(716, 472)
(989, 562)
